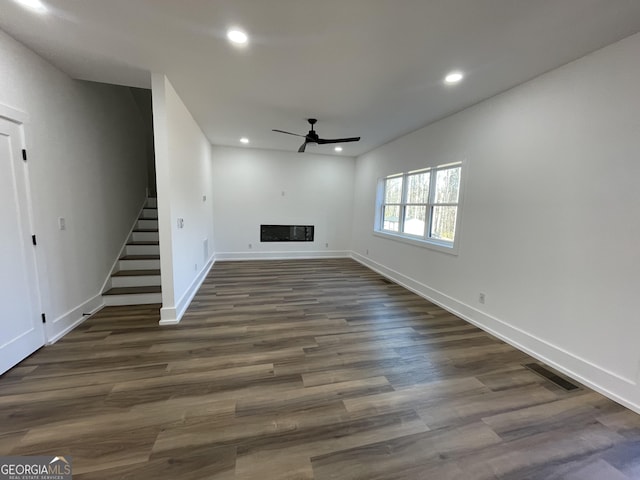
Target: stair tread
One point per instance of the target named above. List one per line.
(136, 273)
(133, 290)
(140, 257)
(144, 242)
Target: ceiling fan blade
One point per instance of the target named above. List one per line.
(288, 133)
(322, 141)
(302, 147)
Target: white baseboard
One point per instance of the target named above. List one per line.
(168, 316)
(231, 256)
(66, 322)
(617, 388)
(173, 315)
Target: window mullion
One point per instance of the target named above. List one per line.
(403, 202)
(432, 200)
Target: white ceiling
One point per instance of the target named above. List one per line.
(372, 68)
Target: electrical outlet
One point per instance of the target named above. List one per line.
(62, 223)
(250, 246)
(482, 297)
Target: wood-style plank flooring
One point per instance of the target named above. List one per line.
(306, 369)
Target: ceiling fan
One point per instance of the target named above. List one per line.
(312, 137)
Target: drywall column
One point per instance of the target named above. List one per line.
(185, 214)
(163, 185)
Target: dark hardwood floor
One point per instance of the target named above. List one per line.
(305, 370)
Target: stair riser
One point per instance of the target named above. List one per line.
(138, 264)
(134, 299)
(149, 213)
(152, 202)
(145, 236)
(142, 250)
(146, 224)
(135, 281)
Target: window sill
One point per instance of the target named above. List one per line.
(429, 244)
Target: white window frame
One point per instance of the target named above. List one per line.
(420, 240)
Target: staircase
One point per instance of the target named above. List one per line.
(135, 279)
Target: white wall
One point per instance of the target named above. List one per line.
(550, 224)
(254, 187)
(184, 178)
(86, 164)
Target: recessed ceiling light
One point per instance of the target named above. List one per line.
(338, 149)
(35, 5)
(453, 77)
(237, 36)
(244, 140)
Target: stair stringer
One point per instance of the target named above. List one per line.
(135, 299)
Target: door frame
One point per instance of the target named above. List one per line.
(21, 119)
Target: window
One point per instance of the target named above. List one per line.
(421, 205)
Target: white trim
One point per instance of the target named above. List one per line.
(231, 256)
(168, 316)
(13, 115)
(616, 387)
(41, 285)
(418, 242)
(173, 315)
(66, 322)
(185, 300)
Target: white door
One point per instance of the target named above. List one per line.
(21, 329)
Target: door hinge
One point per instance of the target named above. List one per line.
(33, 240)
(44, 318)
(24, 155)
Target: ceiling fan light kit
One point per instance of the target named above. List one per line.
(312, 137)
